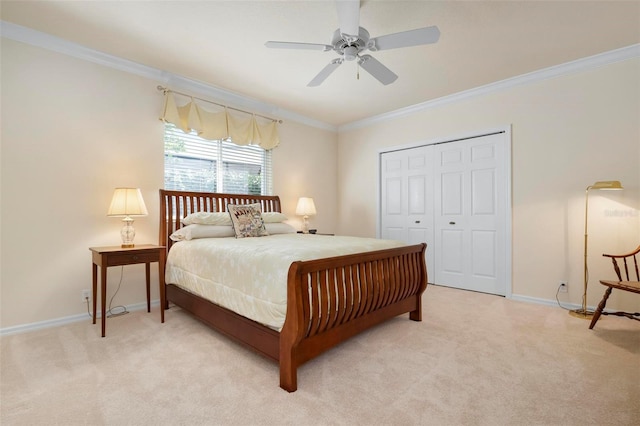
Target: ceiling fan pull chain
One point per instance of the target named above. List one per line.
(357, 70)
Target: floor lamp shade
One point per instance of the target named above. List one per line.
(305, 208)
(583, 312)
(127, 202)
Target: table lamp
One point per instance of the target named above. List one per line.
(305, 208)
(127, 202)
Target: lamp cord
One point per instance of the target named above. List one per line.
(586, 280)
(558, 300)
(110, 312)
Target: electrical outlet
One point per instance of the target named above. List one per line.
(564, 287)
(86, 296)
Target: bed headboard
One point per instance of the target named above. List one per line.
(176, 205)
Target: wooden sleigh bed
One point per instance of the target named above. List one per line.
(328, 300)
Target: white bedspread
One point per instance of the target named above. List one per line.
(249, 275)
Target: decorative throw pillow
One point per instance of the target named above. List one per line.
(247, 220)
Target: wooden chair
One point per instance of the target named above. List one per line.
(625, 282)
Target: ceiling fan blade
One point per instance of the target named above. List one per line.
(326, 72)
(349, 17)
(381, 73)
(293, 45)
(409, 38)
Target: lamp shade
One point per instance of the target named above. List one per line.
(607, 184)
(127, 202)
(306, 207)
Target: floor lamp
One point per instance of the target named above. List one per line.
(608, 185)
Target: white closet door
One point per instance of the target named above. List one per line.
(455, 197)
(407, 197)
(471, 186)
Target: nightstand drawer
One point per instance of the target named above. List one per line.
(131, 258)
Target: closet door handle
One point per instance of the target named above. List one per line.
(417, 221)
(452, 223)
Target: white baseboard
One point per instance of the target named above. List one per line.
(548, 302)
(140, 306)
(24, 328)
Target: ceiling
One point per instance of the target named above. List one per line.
(221, 43)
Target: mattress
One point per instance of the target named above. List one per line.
(249, 275)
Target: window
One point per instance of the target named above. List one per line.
(195, 164)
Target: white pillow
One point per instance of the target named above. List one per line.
(222, 218)
(194, 231)
(206, 218)
(273, 217)
(279, 228)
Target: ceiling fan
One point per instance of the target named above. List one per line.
(351, 40)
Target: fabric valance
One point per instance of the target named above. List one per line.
(219, 123)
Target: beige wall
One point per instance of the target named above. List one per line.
(305, 165)
(71, 132)
(567, 133)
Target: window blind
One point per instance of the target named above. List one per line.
(196, 164)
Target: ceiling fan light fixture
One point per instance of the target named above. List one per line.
(350, 53)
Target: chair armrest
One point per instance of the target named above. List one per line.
(633, 253)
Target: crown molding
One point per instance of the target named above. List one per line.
(46, 41)
(173, 81)
(177, 82)
(579, 65)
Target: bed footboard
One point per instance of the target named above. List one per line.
(329, 300)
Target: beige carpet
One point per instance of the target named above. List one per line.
(474, 360)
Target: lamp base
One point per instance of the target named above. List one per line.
(581, 313)
(128, 233)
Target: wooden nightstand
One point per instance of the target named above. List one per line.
(118, 256)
